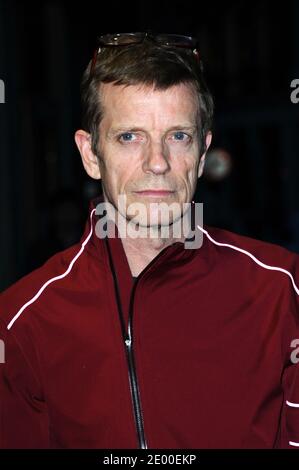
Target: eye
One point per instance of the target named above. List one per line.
(127, 137)
(180, 136)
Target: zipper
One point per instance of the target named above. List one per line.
(128, 342)
(134, 389)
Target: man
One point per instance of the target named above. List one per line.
(198, 352)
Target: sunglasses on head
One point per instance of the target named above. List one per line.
(131, 39)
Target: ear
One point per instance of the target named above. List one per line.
(203, 157)
(89, 159)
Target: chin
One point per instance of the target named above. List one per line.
(163, 217)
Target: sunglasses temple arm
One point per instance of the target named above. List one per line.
(196, 53)
(93, 62)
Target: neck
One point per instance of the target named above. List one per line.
(143, 244)
(141, 251)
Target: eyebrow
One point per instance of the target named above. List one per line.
(114, 131)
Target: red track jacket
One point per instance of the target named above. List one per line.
(199, 353)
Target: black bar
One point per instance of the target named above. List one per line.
(86, 459)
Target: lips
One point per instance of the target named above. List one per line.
(155, 192)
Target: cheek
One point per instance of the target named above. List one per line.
(121, 175)
(187, 170)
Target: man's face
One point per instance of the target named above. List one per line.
(149, 148)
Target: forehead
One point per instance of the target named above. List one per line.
(125, 105)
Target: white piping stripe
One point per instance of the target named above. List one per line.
(294, 405)
(296, 444)
(266, 266)
(54, 278)
(273, 268)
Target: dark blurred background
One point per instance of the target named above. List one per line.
(251, 54)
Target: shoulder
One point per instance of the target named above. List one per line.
(254, 265)
(266, 252)
(32, 285)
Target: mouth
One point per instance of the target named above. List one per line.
(154, 192)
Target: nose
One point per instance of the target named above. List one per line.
(156, 159)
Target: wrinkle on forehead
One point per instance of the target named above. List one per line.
(135, 105)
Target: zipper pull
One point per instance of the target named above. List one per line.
(128, 342)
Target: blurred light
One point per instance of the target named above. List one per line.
(218, 164)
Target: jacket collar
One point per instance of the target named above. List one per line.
(110, 252)
(96, 244)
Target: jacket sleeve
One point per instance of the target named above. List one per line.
(290, 381)
(290, 414)
(23, 413)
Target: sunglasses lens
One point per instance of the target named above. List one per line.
(121, 39)
(176, 40)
